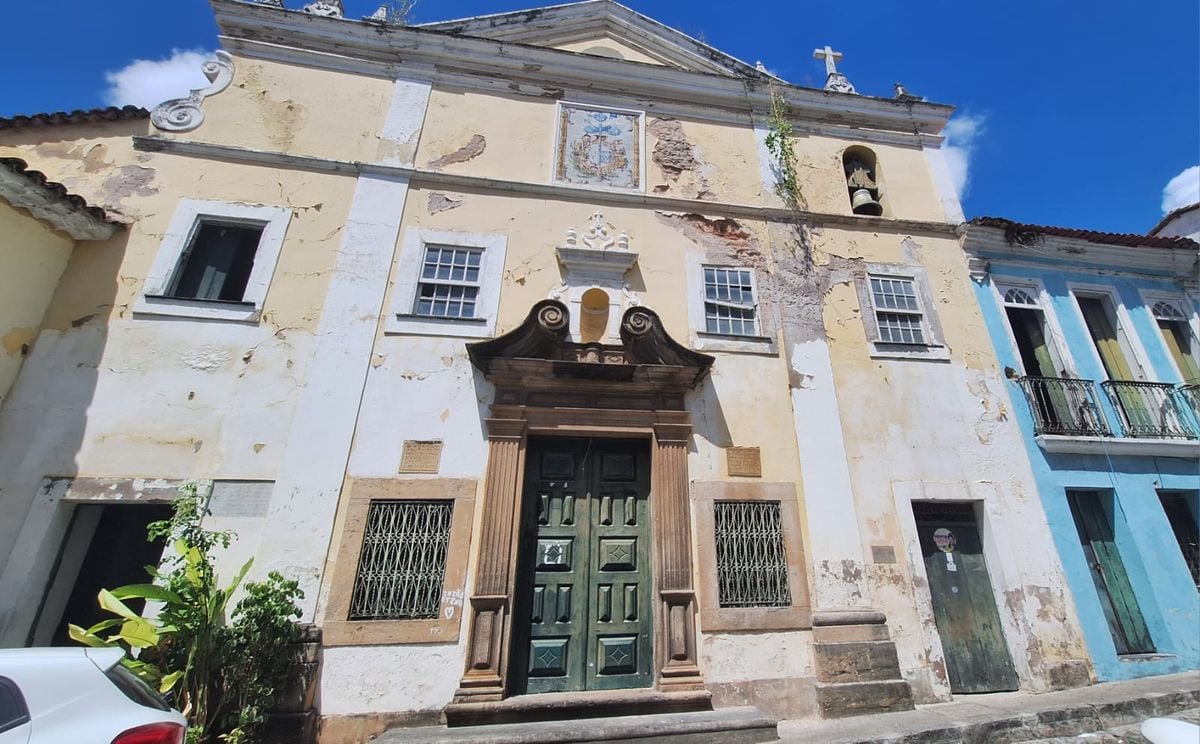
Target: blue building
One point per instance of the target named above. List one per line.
(1098, 337)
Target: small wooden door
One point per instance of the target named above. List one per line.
(1117, 600)
(583, 614)
(964, 606)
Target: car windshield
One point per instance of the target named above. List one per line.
(135, 689)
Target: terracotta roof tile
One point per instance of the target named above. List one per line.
(56, 190)
(1092, 236)
(90, 116)
(1172, 215)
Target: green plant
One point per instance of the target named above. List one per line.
(779, 144)
(224, 668)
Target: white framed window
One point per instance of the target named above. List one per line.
(1104, 320)
(447, 284)
(729, 305)
(1180, 330)
(1033, 330)
(215, 261)
(897, 313)
(724, 308)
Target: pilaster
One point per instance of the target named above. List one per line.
(490, 603)
(672, 534)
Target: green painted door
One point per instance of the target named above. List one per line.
(583, 614)
(1113, 588)
(964, 606)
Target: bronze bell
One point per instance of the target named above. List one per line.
(861, 202)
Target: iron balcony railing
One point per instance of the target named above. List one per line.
(1064, 405)
(1151, 409)
(1190, 394)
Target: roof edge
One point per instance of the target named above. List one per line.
(50, 202)
(1169, 216)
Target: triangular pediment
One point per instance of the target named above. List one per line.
(602, 28)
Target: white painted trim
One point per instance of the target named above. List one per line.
(761, 343)
(951, 205)
(1055, 339)
(189, 216)
(1130, 342)
(559, 133)
(1058, 444)
(305, 496)
(1190, 314)
(400, 318)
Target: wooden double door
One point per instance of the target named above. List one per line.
(582, 614)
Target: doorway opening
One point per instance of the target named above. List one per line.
(583, 610)
(105, 547)
(964, 605)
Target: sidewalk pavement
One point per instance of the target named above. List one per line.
(1011, 717)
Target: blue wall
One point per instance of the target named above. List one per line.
(1162, 583)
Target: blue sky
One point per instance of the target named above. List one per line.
(1070, 113)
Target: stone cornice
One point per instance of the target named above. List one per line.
(424, 177)
(991, 244)
(317, 41)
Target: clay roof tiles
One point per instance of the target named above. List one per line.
(1132, 240)
(56, 191)
(89, 116)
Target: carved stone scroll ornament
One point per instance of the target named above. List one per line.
(185, 114)
(326, 8)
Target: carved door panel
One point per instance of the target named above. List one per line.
(583, 604)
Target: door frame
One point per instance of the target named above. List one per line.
(489, 641)
(999, 552)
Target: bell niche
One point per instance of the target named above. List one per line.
(862, 181)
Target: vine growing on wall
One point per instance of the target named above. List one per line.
(779, 144)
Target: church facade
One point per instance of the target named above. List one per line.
(518, 342)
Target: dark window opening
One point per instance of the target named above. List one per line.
(217, 263)
(1183, 517)
(752, 568)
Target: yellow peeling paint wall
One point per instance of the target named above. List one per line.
(276, 107)
(32, 258)
(921, 429)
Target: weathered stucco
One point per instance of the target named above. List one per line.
(33, 257)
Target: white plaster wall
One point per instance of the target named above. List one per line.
(152, 398)
(421, 388)
(736, 657)
(396, 679)
(1186, 225)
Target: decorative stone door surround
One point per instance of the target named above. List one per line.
(547, 386)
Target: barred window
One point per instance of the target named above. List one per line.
(729, 301)
(752, 568)
(403, 560)
(897, 310)
(449, 286)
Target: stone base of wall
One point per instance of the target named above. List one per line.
(364, 729)
(295, 720)
(784, 698)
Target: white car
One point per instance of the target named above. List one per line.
(80, 696)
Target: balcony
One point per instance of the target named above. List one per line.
(1150, 418)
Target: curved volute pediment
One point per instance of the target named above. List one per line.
(540, 345)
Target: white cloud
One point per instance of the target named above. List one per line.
(147, 83)
(1182, 190)
(961, 133)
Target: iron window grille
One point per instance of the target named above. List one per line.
(752, 568)
(449, 286)
(898, 312)
(729, 306)
(403, 561)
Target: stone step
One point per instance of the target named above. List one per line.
(746, 725)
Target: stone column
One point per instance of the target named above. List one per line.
(491, 602)
(673, 553)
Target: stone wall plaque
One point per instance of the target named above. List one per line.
(883, 554)
(244, 499)
(421, 457)
(744, 461)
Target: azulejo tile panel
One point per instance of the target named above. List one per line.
(599, 147)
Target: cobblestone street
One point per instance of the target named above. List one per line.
(1119, 734)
